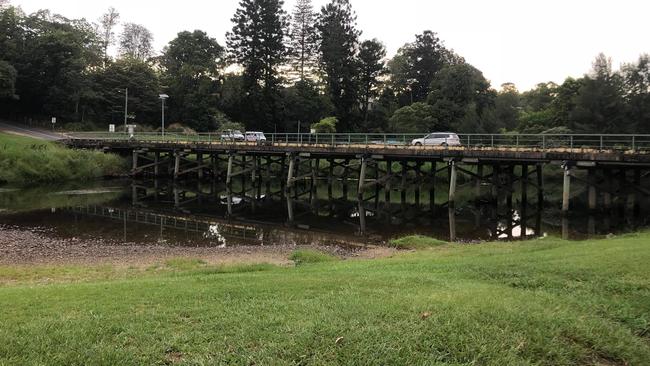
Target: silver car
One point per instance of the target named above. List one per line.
(232, 135)
(255, 136)
(438, 139)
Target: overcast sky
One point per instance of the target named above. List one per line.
(520, 41)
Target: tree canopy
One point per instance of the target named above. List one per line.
(282, 74)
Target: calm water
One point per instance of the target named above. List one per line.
(208, 214)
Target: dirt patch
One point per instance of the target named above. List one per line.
(31, 247)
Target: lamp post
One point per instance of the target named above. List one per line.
(162, 98)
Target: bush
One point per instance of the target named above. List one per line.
(326, 125)
(179, 128)
(306, 256)
(416, 242)
(29, 161)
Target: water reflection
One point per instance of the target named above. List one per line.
(212, 214)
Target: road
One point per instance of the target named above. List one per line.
(35, 132)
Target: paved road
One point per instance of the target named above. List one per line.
(34, 132)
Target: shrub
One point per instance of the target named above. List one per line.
(306, 256)
(326, 125)
(416, 242)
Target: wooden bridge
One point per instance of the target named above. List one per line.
(617, 166)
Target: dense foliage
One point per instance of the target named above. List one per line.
(282, 73)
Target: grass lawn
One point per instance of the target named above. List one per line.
(544, 302)
(24, 160)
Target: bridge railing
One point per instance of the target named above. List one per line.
(620, 142)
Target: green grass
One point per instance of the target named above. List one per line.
(25, 160)
(308, 256)
(544, 302)
(416, 242)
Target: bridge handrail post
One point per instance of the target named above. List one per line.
(601, 142)
(316, 137)
(633, 143)
(517, 141)
(385, 141)
(349, 139)
(492, 141)
(366, 140)
(571, 142)
(544, 142)
(286, 139)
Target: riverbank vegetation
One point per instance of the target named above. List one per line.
(546, 301)
(26, 161)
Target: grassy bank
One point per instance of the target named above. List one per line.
(25, 160)
(545, 302)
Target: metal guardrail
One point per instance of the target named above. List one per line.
(618, 142)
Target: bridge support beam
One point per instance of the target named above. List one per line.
(566, 188)
(452, 183)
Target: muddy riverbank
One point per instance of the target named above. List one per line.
(35, 247)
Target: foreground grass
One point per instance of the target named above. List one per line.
(545, 302)
(25, 160)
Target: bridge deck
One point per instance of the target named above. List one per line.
(397, 152)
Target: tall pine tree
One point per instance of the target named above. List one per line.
(339, 41)
(371, 68)
(304, 47)
(257, 44)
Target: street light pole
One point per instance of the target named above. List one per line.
(162, 98)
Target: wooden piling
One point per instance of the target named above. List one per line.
(452, 183)
(566, 191)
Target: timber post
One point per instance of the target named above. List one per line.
(452, 183)
(566, 188)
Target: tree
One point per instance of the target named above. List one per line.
(540, 97)
(457, 90)
(303, 104)
(7, 80)
(257, 44)
(136, 42)
(415, 65)
(303, 44)
(371, 68)
(507, 106)
(426, 58)
(107, 22)
(338, 46)
(192, 62)
(53, 63)
(599, 105)
(636, 79)
(417, 117)
(144, 87)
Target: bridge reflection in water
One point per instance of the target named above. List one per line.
(241, 213)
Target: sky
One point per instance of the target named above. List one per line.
(519, 41)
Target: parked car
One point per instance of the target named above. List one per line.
(255, 136)
(438, 139)
(232, 135)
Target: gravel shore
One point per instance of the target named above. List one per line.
(19, 246)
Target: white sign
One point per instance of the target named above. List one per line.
(53, 120)
(111, 128)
